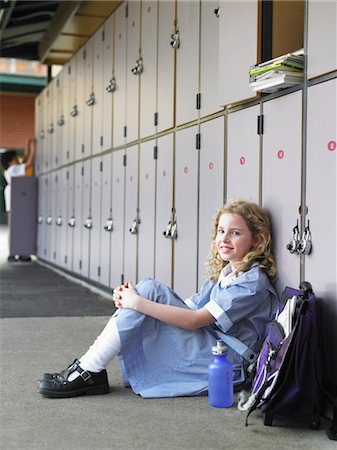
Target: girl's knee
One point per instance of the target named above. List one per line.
(150, 288)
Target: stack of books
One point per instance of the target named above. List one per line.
(278, 73)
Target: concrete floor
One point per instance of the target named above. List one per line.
(121, 419)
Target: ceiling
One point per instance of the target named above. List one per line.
(49, 31)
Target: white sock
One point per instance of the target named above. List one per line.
(106, 346)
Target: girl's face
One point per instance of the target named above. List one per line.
(234, 239)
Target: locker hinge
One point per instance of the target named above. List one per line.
(69, 70)
(65, 259)
(197, 141)
(198, 105)
(124, 160)
(67, 154)
(155, 152)
(122, 278)
(101, 141)
(54, 255)
(56, 160)
(103, 35)
(260, 124)
(127, 10)
(56, 178)
(101, 166)
(80, 264)
(82, 148)
(155, 119)
(58, 82)
(99, 271)
(125, 132)
(67, 175)
(82, 170)
(84, 54)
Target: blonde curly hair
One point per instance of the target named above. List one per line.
(258, 222)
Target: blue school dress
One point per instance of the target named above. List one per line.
(161, 360)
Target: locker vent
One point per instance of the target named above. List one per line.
(101, 141)
(82, 148)
(155, 152)
(82, 170)
(101, 166)
(124, 160)
(80, 264)
(125, 132)
(67, 175)
(67, 154)
(122, 278)
(99, 271)
(65, 259)
(103, 35)
(69, 70)
(155, 119)
(84, 54)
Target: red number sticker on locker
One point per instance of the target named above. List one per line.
(146, 176)
(280, 154)
(332, 146)
(211, 166)
(242, 160)
(185, 169)
(164, 173)
(131, 178)
(149, 9)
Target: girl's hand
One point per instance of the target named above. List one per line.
(125, 296)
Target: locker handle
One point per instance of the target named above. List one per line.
(135, 226)
(88, 223)
(59, 221)
(74, 111)
(60, 122)
(111, 87)
(108, 226)
(167, 231)
(72, 221)
(91, 100)
(137, 69)
(51, 128)
(305, 245)
(40, 219)
(293, 244)
(175, 40)
(49, 220)
(171, 231)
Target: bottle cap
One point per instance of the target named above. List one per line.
(220, 348)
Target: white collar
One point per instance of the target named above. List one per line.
(226, 276)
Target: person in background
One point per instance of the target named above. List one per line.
(12, 167)
(164, 342)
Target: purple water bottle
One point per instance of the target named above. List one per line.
(220, 378)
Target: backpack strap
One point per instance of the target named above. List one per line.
(238, 346)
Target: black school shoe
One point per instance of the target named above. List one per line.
(65, 372)
(88, 383)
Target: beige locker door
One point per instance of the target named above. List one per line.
(118, 207)
(87, 218)
(119, 106)
(46, 121)
(39, 134)
(132, 79)
(147, 194)
(54, 98)
(107, 224)
(281, 179)
(48, 102)
(322, 37)
(209, 54)
(243, 161)
(211, 185)
(96, 230)
(63, 117)
(58, 153)
(77, 217)
(237, 48)
(108, 81)
(80, 105)
(148, 86)
(72, 111)
(89, 97)
(187, 62)
(165, 64)
(164, 204)
(132, 228)
(98, 90)
(61, 219)
(41, 218)
(69, 218)
(186, 205)
(321, 199)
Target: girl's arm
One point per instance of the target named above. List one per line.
(30, 152)
(126, 297)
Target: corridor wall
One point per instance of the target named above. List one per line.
(151, 126)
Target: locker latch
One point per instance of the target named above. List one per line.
(108, 226)
(88, 223)
(60, 122)
(41, 135)
(40, 219)
(217, 11)
(72, 221)
(305, 245)
(175, 40)
(138, 67)
(49, 220)
(91, 100)
(51, 128)
(74, 111)
(135, 226)
(293, 244)
(171, 231)
(59, 221)
(111, 87)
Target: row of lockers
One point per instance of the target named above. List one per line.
(154, 65)
(182, 178)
